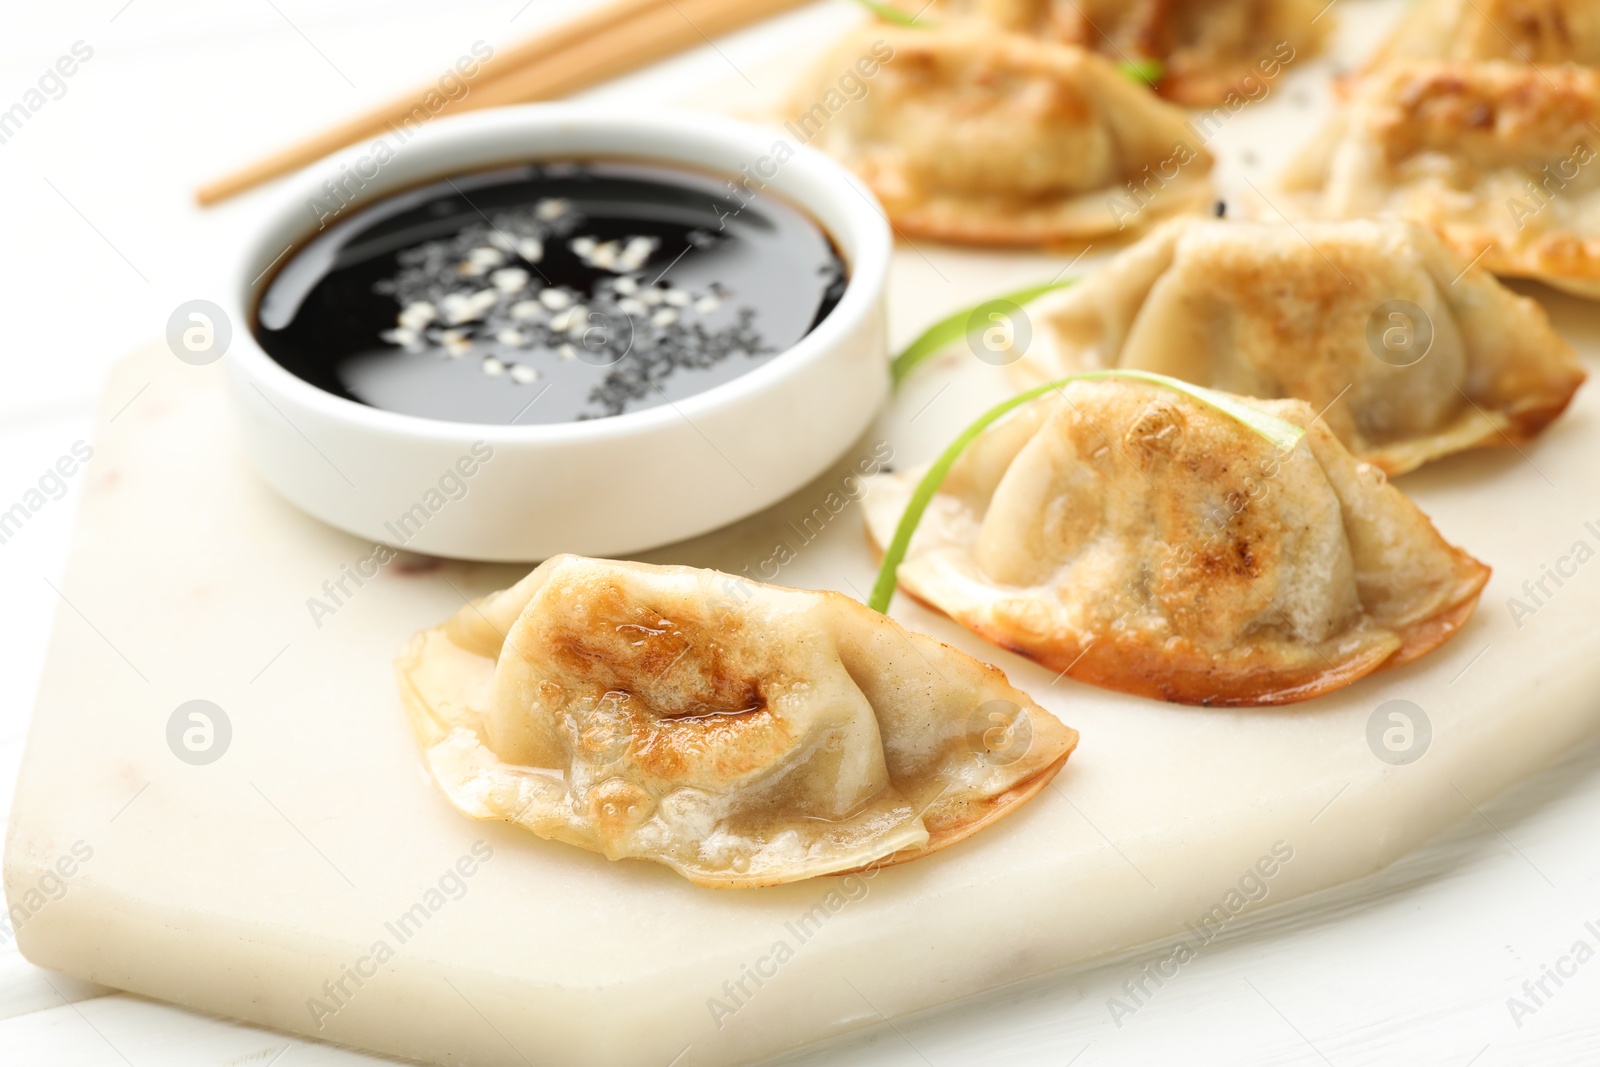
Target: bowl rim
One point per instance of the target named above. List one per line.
(867, 259)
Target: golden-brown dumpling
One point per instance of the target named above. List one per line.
(1544, 32)
(1407, 352)
(1135, 538)
(1500, 158)
(1207, 48)
(742, 734)
(970, 134)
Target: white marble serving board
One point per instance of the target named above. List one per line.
(242, 886)
(189, 580)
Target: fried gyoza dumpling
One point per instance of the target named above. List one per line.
(1207, 48)
(1500, 158)
(1135, 538)
(742, 734)
(970, 134)
(1544, 32)
(1408, 353)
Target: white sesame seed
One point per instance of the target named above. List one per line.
(483, 300)
(501, 240)
(573, 318)
(626, 286)
(523, 374)
(510, 335)
(664, 317)
(400, 335)
(554, 299)
(481, 260)
(493, 367)
(418, 314)
(551, 208)
(707, 304)
(509, 279)
(576, 319)
(631, 307)
(531, 249)
(567, 352)
(456, 343)
(526, 309)
(457, 308)
(583, 246)
(677, 298)
(652, 296)
(637, 251)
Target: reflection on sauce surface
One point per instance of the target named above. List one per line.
(550, 293)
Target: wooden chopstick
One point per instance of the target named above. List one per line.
(602, 44)
(653, 34)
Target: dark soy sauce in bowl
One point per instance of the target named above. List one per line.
(550, 292)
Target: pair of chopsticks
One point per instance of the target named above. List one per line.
(605, 43)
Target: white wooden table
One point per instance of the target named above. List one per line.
(102, 241)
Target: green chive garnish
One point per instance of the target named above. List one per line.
(889, 13)
(954, 327)
(1145, 71)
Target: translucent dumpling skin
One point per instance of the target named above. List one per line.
(1497, 156)
(968, 133)
(1134, 538)
(1406, 350)
(742, 734)
(1210, 51)
(1543, 32)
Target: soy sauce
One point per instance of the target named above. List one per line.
(550, 292)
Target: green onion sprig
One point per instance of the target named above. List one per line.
(1144, 71)
(889, 13)
(954, 327)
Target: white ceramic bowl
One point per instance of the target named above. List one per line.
(605, 487)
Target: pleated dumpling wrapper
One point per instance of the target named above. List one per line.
(1408, 353)
(1544, 32)
(742, 734)
(1135, 538)
(1208, 49)
(967, 133)
(1502, 159)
